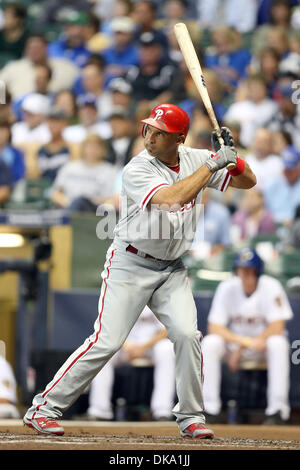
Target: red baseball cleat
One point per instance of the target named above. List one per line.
(197, 431)
(44, 425)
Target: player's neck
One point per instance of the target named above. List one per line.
(170, 160)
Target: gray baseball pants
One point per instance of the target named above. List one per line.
(130, 282)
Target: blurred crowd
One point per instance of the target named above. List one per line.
(78, 76)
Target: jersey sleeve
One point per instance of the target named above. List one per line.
(277, 306)
(219, 312)
(140, 182)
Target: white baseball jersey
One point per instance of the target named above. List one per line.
(143, 176)
(249, 315)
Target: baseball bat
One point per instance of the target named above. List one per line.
(192, 62)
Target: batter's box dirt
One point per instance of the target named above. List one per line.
(147, 436)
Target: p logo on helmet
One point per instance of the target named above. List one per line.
(158, 114)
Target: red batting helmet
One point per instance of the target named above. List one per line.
(168, 118)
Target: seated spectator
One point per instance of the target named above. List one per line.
(280, 17)
(281, 140)
(8, 389)
(6, 183)
(33, 128)
(238, 14)
(96, 41)
(278, 40)
(175, 11)
(266, 165)
(43, 75)
(253, 112)
(144, 15)
(19, 75)
(153, 79)
(214, 87)
(282, 194)
(227, 57)
(72, 44)
(55, 153)
(10, 155)
(66, 101)
(55, 11)
(287, 117)
(91, 81)
(123, 52)
(291, 61)
(267, 66)
(213, 231)
(123, 137)
(6, 108)
(84, 184)
(121, 94)
(252, 218)
(107, 11)
(89, 122)
(14, 34)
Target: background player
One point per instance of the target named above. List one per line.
(148, 340)
(161, 196)
(247, 321)
(8, 391)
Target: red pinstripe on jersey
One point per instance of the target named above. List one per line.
(146, 200)
(225, 181)
(89, 346)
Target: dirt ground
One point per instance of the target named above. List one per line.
(83, 435)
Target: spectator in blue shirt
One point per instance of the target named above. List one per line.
(55, 153)
(144, 14)
(42, 79)
(227, 57)
(9, 155)
(282, 195)
(123, 53)
(214, 228)
(72, 44)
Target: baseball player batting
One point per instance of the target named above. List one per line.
(161, 192)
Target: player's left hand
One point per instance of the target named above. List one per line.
(135, 351)
(226, 136)
(258, 344)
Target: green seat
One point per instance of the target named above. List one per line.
(35, 196)
(88, 253)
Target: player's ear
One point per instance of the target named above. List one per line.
(180, 139)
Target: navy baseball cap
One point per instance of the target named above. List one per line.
(149, 38)
(290, 157)
(86, 100)
(248, 258)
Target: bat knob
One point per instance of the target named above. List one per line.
(230, 166)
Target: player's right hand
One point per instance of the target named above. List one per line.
(221, 159)
(226, 135)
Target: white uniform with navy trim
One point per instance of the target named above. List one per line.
(249, 316)
(132, 281)
(161, 356)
